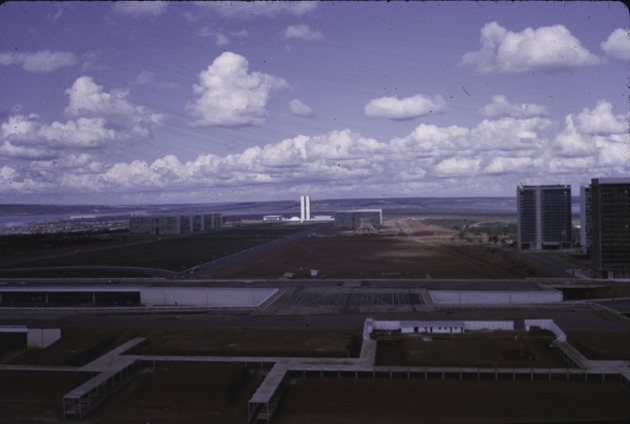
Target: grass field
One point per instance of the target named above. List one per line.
(174, 254)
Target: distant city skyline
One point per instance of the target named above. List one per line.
(195, 102)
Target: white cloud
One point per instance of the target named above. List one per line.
(230, 96)
(222, 40)
(407, 108)
(602, 120)
(432, 160)
(596, 133)
(457, 167)
(543, 49)
(258, 9)
(500, 107)
(82, 132)
(302, 32)
(431, 140)
(100, 120)
(510, 165)
(299, 108)
(617, 44)
(509, 134)
(88, 99)
(138, 9)
(40, 61)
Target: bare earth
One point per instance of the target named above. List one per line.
(405, 248)
(315, 401)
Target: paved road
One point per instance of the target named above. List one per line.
(205, 270)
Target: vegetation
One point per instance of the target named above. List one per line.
(481, 230)
(174, 253)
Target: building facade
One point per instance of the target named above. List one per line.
(586, 219)
(544, 217)
(610, 227)
(174, 224)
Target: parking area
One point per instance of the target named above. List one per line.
(340, 300)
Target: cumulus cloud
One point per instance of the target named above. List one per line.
(227, 95)
(88, 99)
(220, 38)
(299, 108)
(302, 32)
(40, 61)
(500, 107)
(457, 167)
(407, 108)
(258, 9)
(543, 49)
(617, 44)
(596, 133)
(139, 9)
(507, 165)
(99, 120)
(430, 159)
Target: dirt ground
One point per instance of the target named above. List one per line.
(79, 346)
(405, 248)
(254, 342)
(39, 393)
(504, 349)
(602, 345)
(330, 401)
(175, 393)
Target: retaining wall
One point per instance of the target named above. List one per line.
(456, 297)
(214, 297)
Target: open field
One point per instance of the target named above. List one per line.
(405, 248)
(332, 401)
(35, 397)
(505, 349)
(174, 253)
(175, 393)
(78, 346)
(189, 392)
(602, 345)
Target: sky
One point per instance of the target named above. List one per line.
(198, 102)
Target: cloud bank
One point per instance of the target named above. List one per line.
(40, 61)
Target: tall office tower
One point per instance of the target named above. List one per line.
(585, 219)
(544, 217)
(305, 208)
(610, 211)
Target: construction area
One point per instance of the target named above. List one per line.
(404, 326)
(200, 376)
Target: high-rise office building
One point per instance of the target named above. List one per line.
(610, 227)
(586, 219)
(544, 217)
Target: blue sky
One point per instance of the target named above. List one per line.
(152, 102)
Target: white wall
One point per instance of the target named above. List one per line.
(488, 325)
(452, 297)
(42, 337)
(212, 297)
(547, 324)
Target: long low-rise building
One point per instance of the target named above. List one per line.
(174, 224)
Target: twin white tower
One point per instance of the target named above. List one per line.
(305, 208)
